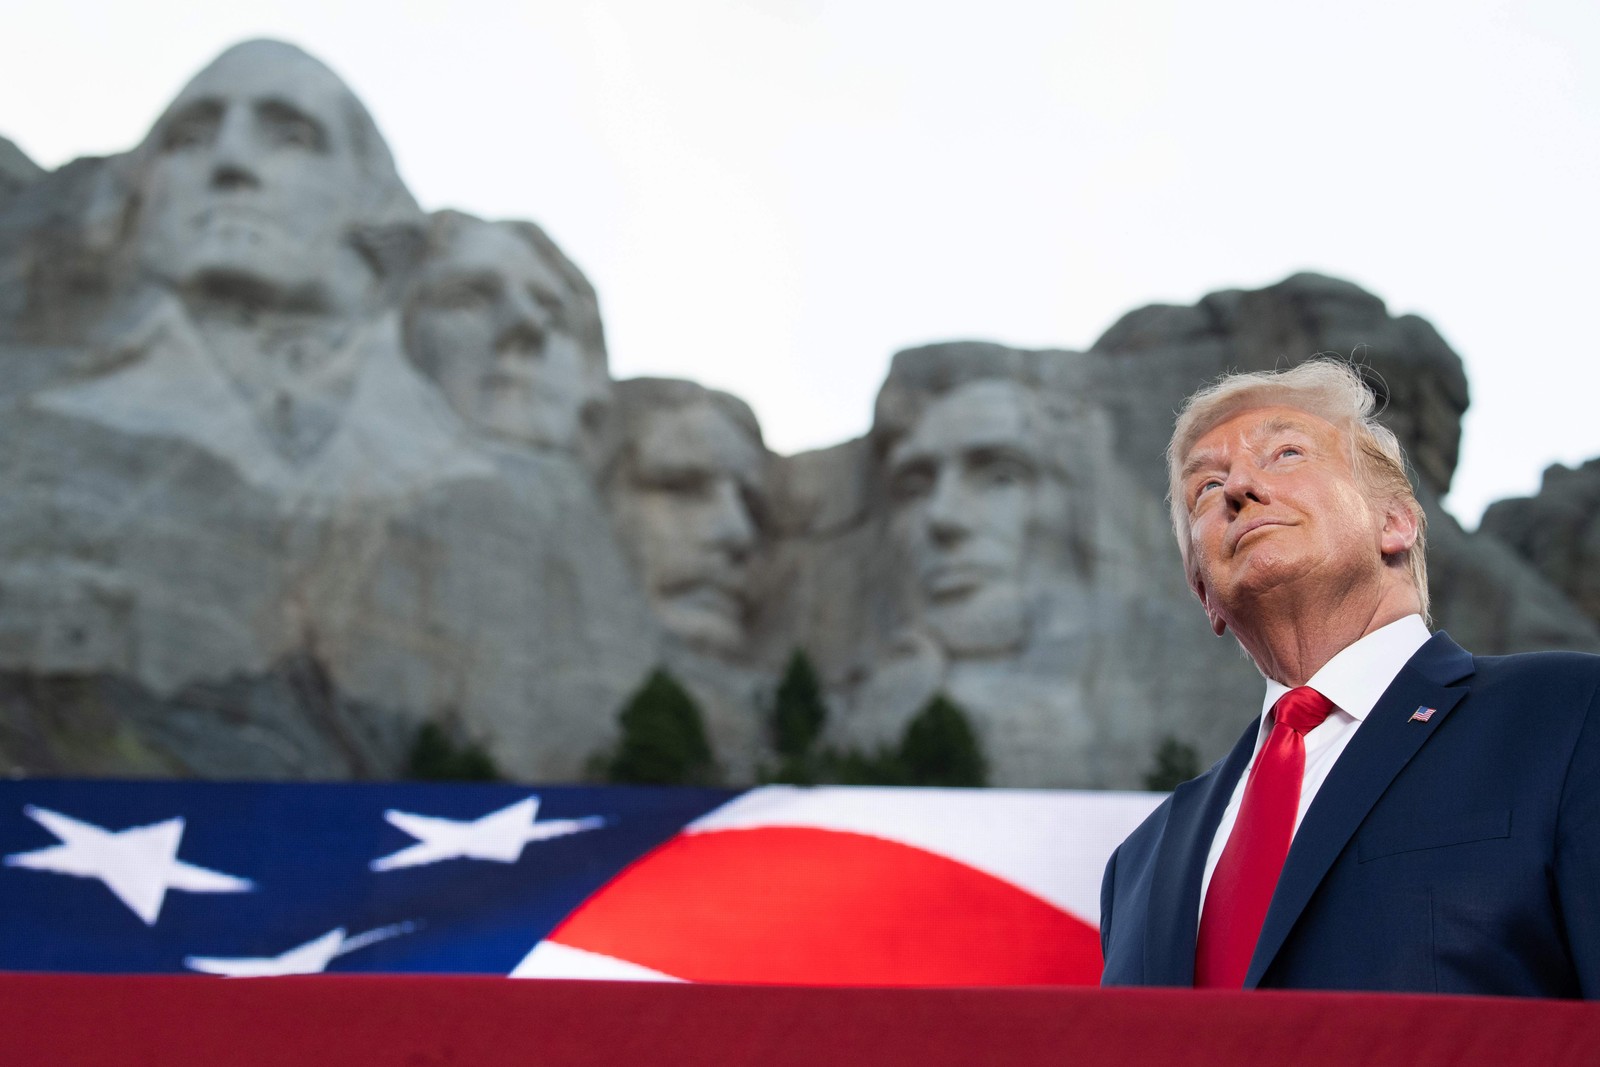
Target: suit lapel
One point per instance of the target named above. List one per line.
(1380, 749)
(1174, 908)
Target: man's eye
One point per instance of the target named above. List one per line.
(464, 294)
(191, 131)
(680, 483)
(1005, 472)
(286, 127)
(911, 483)
(1206, 486)
(295, 135)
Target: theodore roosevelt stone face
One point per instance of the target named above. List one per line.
(688, 501)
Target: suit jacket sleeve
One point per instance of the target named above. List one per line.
(1577, 854)
(1107, 882)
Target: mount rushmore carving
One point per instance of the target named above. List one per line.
(291, 468)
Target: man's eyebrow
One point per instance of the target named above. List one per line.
(202, 108)
(1276, 424)
(198, 104)
(1197, 461)
(474, 274)
(654, 466)
(1281, 423)
(906, 454)
(547, 297)
(282, 105)
(279, 109)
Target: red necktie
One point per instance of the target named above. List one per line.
(1247, 872)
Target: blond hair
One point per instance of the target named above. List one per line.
(1331, 390)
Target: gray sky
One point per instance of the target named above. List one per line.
(773, 196)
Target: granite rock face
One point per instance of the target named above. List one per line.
(1150, 360)
(17, 171)
(1558, 531)
(279, 486)
(988, 540)
(292, 468)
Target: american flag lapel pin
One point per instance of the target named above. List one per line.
(1422, 714)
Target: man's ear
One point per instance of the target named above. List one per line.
(1400, 530)
(1198, 584)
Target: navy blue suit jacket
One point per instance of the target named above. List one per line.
(1456, 855)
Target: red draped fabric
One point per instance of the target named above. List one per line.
(83, 1021)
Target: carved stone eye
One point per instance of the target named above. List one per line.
(286, 127)
(195, 128)
(1001, 470)
(913, 481)
(472, 293)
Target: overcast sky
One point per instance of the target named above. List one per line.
(773, 196)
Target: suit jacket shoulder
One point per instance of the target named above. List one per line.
(1454, 847)
(1449, 848)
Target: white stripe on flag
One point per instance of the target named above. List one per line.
(1052, 843)
(550, 960)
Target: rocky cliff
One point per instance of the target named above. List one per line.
(291, 468)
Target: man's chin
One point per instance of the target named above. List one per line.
(223, 281)
(256, 269)
(702, 627)
(510, 409)
(954, 584)
(987, 622)
(1256, 577)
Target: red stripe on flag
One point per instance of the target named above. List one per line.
(806, 906)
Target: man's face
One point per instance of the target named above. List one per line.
(487, 323)
(965, 486)
(1275, 507)
(253, 182)
(688, 504)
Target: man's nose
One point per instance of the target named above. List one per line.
(1244, 486)
(234, 164)
(948, 514)
(519, 322)
(730, 528)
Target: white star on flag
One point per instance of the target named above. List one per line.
(498, 836)
(312, 957)
(138, 864)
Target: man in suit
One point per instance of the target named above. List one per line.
(1402, 815)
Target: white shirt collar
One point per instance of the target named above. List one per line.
(1356, 677)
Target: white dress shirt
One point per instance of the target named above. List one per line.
(1354, 680)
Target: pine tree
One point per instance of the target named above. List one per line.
(436, 757)
(663, 737)
(798, 711)
(880, 766)
(1175, 763)
(940, 748)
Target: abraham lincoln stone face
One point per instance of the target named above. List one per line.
(968, 487)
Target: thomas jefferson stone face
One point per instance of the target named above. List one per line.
(687, 500)
(965, 484)
(488, 322)
(253, 183)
